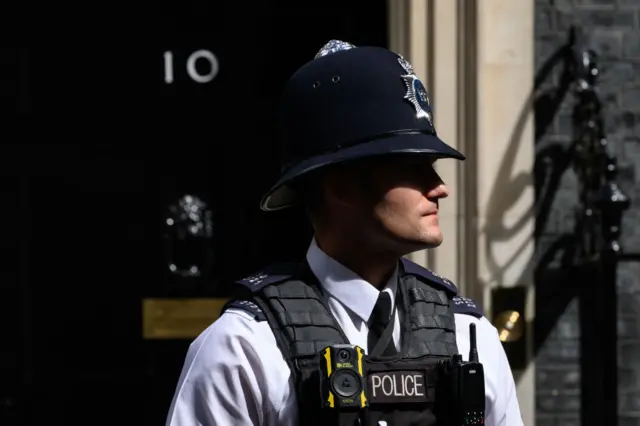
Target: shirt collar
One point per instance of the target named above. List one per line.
(345, 285)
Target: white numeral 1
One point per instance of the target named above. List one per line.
(168, 67)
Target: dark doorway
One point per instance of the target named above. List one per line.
(98, 147)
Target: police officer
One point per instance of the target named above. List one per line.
(359, 152)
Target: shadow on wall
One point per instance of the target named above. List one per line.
(551, 268)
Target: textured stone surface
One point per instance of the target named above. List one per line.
(612, 28)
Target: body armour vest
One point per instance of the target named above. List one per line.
(401, 389)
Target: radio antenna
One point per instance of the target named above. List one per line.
(473, 349)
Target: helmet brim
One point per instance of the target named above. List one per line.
(281, 195)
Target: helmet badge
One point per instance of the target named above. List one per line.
(416, 92)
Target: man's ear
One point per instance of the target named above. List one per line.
(341, 187)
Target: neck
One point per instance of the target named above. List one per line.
(374, 266)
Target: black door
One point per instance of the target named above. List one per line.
(116, 117)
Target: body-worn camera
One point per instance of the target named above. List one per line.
(343, 383)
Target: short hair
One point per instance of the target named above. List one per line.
(309, 192)
(309, 188)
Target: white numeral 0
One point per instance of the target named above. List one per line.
(191, 66)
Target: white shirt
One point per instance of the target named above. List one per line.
(234, 372)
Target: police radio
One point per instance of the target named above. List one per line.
(343, 383)
(464, 387)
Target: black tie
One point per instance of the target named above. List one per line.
(378, 322)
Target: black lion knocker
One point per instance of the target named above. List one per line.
(188, 237)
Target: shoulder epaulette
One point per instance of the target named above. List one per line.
(247, 306)
(466, 306)
(271, 275)
(412, 268)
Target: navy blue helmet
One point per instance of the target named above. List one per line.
(350, 103)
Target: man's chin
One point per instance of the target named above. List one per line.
(432, 239)
(433, 243)
(424, 243)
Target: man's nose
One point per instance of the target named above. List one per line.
(440, 191)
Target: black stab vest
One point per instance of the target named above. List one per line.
(401, 389)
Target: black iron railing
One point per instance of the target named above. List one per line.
(602, 204)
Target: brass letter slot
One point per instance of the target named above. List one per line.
(178, 318)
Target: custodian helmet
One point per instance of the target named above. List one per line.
(350, 103)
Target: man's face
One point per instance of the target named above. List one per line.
(398, 202)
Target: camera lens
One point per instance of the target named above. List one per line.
(343, 355)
